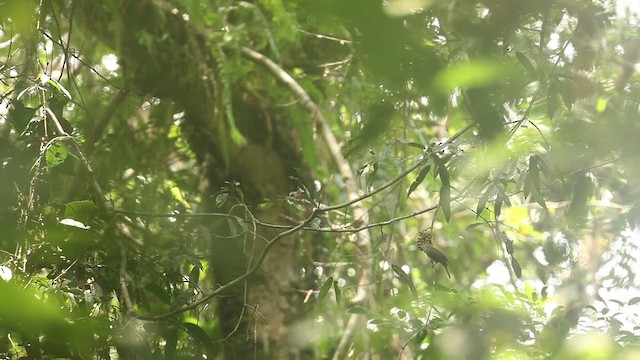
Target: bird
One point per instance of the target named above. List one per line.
(437, 256)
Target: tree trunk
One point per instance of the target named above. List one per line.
(182, 70)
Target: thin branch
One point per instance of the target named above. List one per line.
(96, 134)
(237, 280)
(291, 229)
(525, 116)
(360, 212)
(192, 215)
(107, 114)
(587, 168)
(327, 37)
(281, 226)
(246, 283)
(356, 229)
(123, 280)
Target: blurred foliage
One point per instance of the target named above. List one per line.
(520, 120)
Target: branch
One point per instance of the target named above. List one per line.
(281, 226)
(360, 212)
(123, 281)
(237, 280)
(103, 121)
(96, 134)
(291, 229)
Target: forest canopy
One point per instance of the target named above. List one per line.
(276, 179)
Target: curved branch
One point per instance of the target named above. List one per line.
(237, 280)
(360, 212)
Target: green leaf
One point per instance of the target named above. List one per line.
(507, 242)
(482, 203)
(497, 206)
(444, 175)
(526, 189)
(56, 154)
(538, 198)
(534, 172)
(479, 73)
(221, 199)
(23, 309)
(617, 302)
(405, 278)
(526, 64)
(473, 226)
(581, 193)
(59, 87)
(423, 173)
(445, 190)
(445, 201)
(198, 334)
(194, 277)
(416, 145)
(81, 210)
(20, 116)
(337, 291)
(553, 100)
(634, 301)
(567, 91)
(517, 270)
(420, 336)
(325, 288)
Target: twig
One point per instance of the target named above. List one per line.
(240, 278)
(326, 37)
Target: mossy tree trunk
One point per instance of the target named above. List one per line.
(174, 63)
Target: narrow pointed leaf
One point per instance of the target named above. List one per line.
(553, 100)
(634, 301)
(405, 278)
(568, 93)
(445, 201)
(473, 226)
(526, 189)
(198, 334)
(534, 172)
(325, 289)
(482, 203)
(517, 270)
(526, 64)
(194, 277)
(497, 206)
(507, 242)
(538, 198)
(444, 175)
(416, 145)
(423, 173)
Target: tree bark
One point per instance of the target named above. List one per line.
(177, 65)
